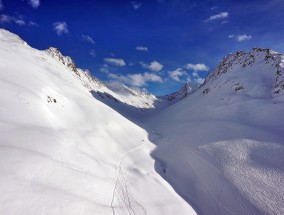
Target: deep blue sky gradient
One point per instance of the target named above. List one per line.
(176, 32)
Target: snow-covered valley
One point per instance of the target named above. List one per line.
(71, 144)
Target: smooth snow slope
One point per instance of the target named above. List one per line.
(222, 148)
(64, 152)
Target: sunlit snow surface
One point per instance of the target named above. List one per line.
(64, 152)
(72, 145)
(222, 148)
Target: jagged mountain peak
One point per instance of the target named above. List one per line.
(259, 72)
(183, 92)
(66, 60)
(245, 59)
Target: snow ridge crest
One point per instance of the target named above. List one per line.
(250, 61)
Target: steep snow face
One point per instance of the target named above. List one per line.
(263, 67)
(222, 147)
(64, 152)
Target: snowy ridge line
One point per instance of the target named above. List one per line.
(120, 94)
(246, 61)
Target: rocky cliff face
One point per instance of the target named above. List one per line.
(66, 60)
(184, 91)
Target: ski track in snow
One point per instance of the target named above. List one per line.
(119, 167)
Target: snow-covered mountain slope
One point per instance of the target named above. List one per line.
(118, 96)
(222, 147)
(64, 152)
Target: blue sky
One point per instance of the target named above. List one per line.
(155, 45)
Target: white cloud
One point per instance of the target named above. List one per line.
(199, 80)
(154, 66)
(104, 69)
(92, 53)
(115, 61)
(141, 48)
(31, 23)
(195, 75)
(224, 22)
(5, 19)
(20, 22)
(221, 15)
(240, 38)
(60, 28)
(180, 75)
(1, 5)
(88, 39)
(34, 3)
(177, 74)
(214, 8)
(197, 67)
(137, 80)
(136, 5)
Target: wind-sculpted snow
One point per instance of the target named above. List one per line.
(64, 152)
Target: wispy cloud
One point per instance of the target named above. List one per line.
(115, 61)
(5, 19)
(224, 22)
(214, 8)
(221, 15)
(105, 69)
(240, 38)
(1, 5)
(20, 22)
(60, 28)
(93, 53)
(33, 24)
(154, 66)
(181, 75)
(88, 39)
(142, 48)
(136, 5)
(137, 80)
(34, 3)
(197, 79)
(177, 74)
(197, 67)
